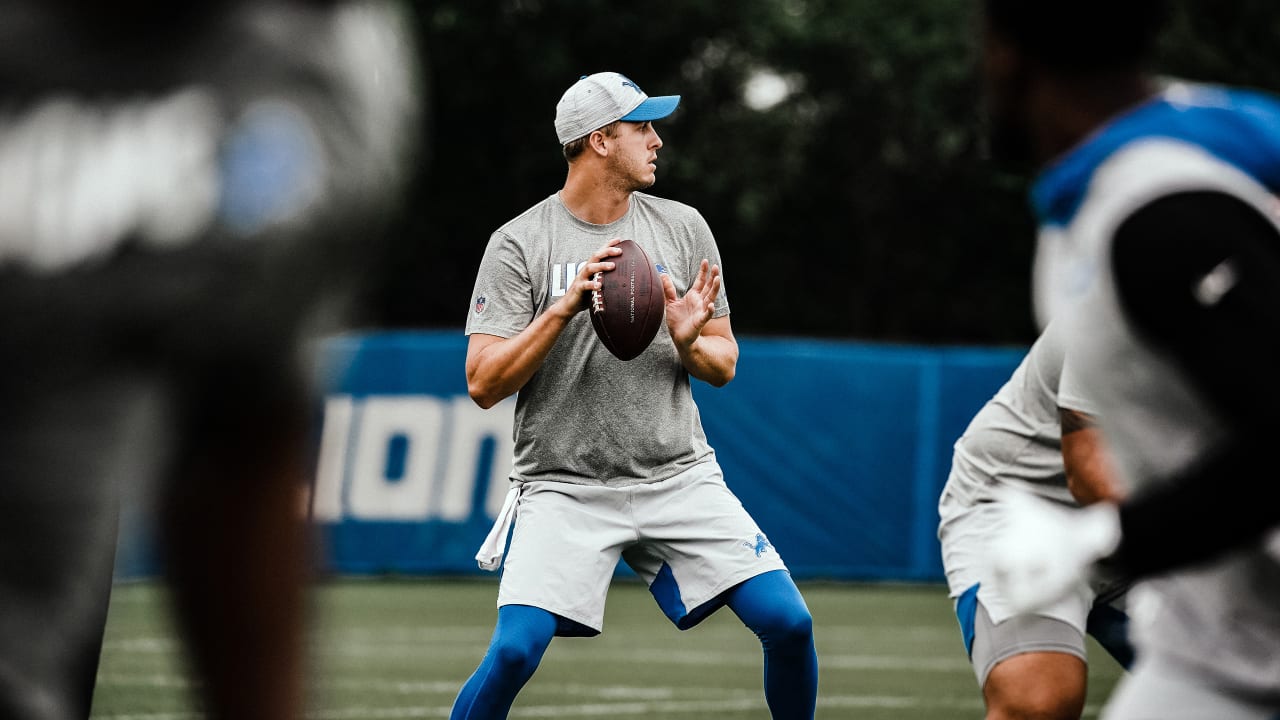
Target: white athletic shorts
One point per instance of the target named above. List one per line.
(688, 538)
(965, 531)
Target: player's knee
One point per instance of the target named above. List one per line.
(1035, 701)
(514, 657)
(798, 623)
(790, 626)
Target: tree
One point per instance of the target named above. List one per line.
(857, 204)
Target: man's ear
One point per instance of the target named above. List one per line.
(596, 141)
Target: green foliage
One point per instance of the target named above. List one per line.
(858, 205)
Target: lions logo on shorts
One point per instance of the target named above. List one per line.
(761, 544)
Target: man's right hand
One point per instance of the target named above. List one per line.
(578, 296)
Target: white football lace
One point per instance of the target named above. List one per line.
(597, 300)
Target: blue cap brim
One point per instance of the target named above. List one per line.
(654, 108)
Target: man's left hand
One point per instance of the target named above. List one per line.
(687, 315)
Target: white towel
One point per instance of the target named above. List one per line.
(495, 543)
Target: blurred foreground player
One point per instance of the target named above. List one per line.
(1159, 247)
(1037, 433)
(182, 187)
(611, 460)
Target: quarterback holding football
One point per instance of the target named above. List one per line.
(611, 461)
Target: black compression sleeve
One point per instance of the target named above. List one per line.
(1198, 276)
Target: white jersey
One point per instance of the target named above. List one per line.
(1016, 438)
(1221, 620)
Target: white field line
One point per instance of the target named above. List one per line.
(705, 708)
(361, 648)
(482, 633)
(410, 633)
(753, 659)
(153, 680)
(437, 687)
(827, 661)
(142, 645)
(149, 716)
(471, 635)
(671, 708)
(441, 687)
(665, 707)
(663, 656)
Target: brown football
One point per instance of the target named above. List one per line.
(626, 311)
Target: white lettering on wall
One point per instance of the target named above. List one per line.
(384, 419)
(433, 448)
(331, 467)
(471, 426)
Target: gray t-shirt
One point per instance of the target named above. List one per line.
(586, 417)
(1016, 438)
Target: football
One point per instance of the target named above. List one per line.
(626, 311)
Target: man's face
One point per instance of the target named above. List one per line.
(634, 155)
(1005, 83)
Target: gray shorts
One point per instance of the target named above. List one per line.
(1161, 690)
(687, 537)
(992, 632)
(1019, 634)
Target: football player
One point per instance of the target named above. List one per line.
(1161, 252)
(611, 460)
(184, 187)
(1036, 434)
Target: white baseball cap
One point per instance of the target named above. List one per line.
(597, 100)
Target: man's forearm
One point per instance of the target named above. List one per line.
(1090, 475)
(711, 358)
(501, 368)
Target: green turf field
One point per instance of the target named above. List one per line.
(400, 649)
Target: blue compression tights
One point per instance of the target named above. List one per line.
(768, 604)
(771, 605)
(521, 637)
